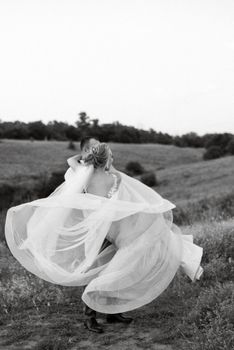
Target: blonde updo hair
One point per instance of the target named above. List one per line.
(98, 155)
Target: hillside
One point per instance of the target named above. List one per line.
(199, 180)
(20, 160)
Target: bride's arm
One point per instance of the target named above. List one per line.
(73, 161)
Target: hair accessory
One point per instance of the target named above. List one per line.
(98, 155)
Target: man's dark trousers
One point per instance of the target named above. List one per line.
(88, 312)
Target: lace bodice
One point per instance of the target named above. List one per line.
(113, 189)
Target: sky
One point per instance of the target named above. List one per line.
(161, 64)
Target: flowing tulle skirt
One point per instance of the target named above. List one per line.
(59, 239)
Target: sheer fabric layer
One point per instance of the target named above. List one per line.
(59, 239)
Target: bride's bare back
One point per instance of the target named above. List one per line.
(102, 183)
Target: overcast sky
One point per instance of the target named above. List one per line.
(165, 64)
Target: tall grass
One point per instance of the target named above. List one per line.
(213, 208)
(197, 315)
(200, 315)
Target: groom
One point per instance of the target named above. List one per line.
(90, 315)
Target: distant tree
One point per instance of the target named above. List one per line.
(164, 139)
(220, 140)
(95, 129)
(21, 130)
(37, 130)
(110, 132)
(57, 130)
(14, 130)
(95, 123)
(230, 146)
(191, 139)
(177, 141)
(72, 133)
(83, 124)
(148, 136)
(127, 136)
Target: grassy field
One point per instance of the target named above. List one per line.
(198, 180)
(23, 160)
(197, 316)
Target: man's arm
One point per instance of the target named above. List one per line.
(73, 162)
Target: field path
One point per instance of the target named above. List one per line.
(120, 337)
(63, 329)
(59, 326)
(116, 337)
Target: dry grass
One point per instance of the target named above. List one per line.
(196, 181)
(197, 316)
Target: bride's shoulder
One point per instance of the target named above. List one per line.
(117, 175)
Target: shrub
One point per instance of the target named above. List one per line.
(213, 152)
(71, 145)
(48, 185)
(13, 194)
(149, 179)
(134, 168)
(7, 193)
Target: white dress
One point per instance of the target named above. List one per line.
(59, 239)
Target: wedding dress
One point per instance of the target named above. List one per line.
(59, 239)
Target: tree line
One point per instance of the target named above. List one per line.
(110, 132)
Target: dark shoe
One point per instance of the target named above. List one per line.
(112, 318)
(92, 325)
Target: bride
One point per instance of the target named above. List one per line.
(61, 238)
